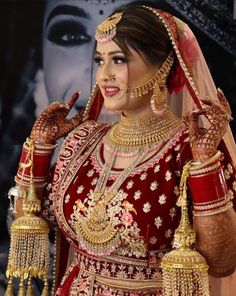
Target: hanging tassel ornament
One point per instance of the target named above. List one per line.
(29, 246)
(184, 269)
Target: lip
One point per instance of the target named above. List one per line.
(110, 90)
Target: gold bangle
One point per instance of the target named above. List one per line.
(45, 146)
(38, 145)
(210, 206)
(208, 169)
(213, 212)
(214, 158)
(38, 182)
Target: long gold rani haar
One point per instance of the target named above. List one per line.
(29, 246)
(96, 229)
(184, 269)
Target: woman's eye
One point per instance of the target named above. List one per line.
(68, 33)
(119, 60)
(98, 61)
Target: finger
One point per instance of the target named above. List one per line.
(71, 102)
(54, 106)
(223, 100)
(213, 104)
(55, 103)
(215, 113)
(193, 121)
(216, 109)
(198, 112)
(77, 119)
(206, 101)
(186, 118)
(73, 122)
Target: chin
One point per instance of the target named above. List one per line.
(114, 106)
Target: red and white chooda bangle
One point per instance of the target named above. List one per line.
(40, 164)
(208, 187)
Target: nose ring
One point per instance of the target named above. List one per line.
(111, 77)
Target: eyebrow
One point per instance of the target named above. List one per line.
(67, 10)
(111, 52)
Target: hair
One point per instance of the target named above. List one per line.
(144, 32)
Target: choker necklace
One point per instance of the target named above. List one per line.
(131, 133)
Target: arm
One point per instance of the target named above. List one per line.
(51, 125)
(214, 218)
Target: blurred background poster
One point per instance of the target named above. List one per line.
(46, 54)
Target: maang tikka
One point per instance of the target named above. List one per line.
(106, 31)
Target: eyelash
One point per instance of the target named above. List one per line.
(116, 60)
(68, 33)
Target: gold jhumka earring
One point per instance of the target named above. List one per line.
(29, 234)
(156, 85)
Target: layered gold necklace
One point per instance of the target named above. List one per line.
(131, 133)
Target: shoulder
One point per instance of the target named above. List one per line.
(88, 126)
(77, 142)
(83, 132)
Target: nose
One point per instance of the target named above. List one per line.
(110, 77)
(106, 73)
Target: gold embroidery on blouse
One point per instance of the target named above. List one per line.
(107, 224)
(100, 230)
(86, 138)
(96, 228)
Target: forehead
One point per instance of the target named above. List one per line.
(93, 10)
(107, 47)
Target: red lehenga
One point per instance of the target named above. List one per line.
(141, 218)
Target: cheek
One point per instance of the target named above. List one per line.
(98, 76)
(116, 106)
(133, 78)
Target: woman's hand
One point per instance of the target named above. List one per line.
(203, 141)
(52, 124)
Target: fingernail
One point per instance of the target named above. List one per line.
(195, 110)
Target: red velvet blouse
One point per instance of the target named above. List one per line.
(139, 220)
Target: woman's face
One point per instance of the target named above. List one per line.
(117, 74)
(68, 39)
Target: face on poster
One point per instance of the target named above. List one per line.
(68, 40)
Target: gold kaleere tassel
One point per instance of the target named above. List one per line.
(29, 246)
(184, 269)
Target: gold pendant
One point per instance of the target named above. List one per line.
(96, 231)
